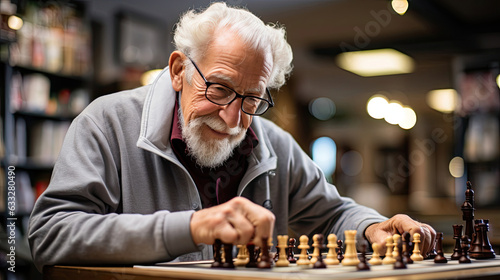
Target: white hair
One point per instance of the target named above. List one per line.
(195, 31)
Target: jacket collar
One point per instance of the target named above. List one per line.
(156, 120)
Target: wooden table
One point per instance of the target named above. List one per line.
(479, 269)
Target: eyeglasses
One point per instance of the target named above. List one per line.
(223, 95)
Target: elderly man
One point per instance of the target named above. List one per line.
(159, 172)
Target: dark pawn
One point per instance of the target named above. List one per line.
(319, 262)
(228, 253)
(363, 265)
(252, 260)
(407, 250)
(340, 250)
(440, 258)
(400, 264)
(217, 254)
(291, 245)
(457, 234)
(265, 260)
(464, 258)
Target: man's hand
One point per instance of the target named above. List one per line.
(377, 233)
(237, 221)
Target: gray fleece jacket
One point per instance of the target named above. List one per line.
(118, 194)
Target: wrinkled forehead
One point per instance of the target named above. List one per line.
(227, 41)
(227, 49)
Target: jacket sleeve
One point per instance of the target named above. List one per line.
(78, 219)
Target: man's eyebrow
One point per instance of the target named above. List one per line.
(230, 82)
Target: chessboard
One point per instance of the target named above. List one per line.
(472, 258)
(427, 269)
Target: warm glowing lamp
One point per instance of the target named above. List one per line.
(375, 62)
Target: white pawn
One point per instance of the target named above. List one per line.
(375, 260)
(315, 253)
(331, 257)
(416, 256)
(389, 259)
(396, 237)
(303, 246)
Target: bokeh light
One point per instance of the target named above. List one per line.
(324, 154)
(322, 108)
(456, 167)
(351, 163)
(442, 100)
(400, 6)
(377, 106)
(15, 22)
(394, 112)
(409, 118)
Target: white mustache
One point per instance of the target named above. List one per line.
(219, 125)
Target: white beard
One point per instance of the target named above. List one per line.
(209, 152)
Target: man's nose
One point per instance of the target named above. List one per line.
(231, 113)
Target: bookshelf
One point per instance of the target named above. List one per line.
(45, 71)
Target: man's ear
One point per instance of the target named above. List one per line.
(176, 68)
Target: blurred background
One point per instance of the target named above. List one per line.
(397, 101)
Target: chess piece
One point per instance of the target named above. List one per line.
(399, 264)
(457, 235)
(316, 250)
(319, 258)
(228, 256)
(340, 250)
(375, 260)
(303, 246)
(276, 254)
(351, 255)
(282, 245)
(440, 258)
(469, 194)
(432, 254)
(481, 247)
(257, 254)
(291, 245)
(464, 257)
(217, 254)
(416, 256)
(265, 259)
(468, 210)
(242, 258)
(331, 256)
(487, 248)
(406, 248)
(269, 246)
(363, 265)
(389, 259)
(252, 259)
(395, 252)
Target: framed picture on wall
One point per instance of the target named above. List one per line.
(141, 41)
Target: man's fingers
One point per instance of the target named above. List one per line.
(261, 219)
(236, 221)
(428, 237)
(243, 228)
(399, 224)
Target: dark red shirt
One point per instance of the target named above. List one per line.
(215, 185)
